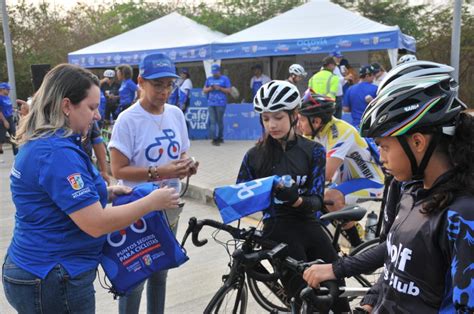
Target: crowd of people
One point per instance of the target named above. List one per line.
(414, 115)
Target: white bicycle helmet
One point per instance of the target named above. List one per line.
(297, 69)
(406, 58)
(276, 96)
(413, 70)
(109, 73)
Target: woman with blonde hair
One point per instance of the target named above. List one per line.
(60, 199)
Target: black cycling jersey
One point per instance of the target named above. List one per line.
(370, 260)
(429, 265)
(304, 161)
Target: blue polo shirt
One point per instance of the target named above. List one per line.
(354, 98)
(216, 97)
(51, 178)
(127, 92)
(6, 104)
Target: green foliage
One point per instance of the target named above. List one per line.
(231, 16)
(46, 34)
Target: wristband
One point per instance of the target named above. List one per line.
(155, 173)
(150, 175)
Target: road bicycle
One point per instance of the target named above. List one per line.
(271, 295)
(257, 264)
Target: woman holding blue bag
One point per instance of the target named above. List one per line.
(60, 199)
(291, 219)
(149, 143)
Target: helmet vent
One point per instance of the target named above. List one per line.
(281, 94)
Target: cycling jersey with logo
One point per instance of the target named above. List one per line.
(343, 142)
(303, 160)
(429, 263)
(150, 140)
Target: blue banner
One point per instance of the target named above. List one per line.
(359, 42)
(197, 115)
(240, 200)
(103, 60)
(241, 122)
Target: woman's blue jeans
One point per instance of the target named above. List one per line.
(57, 293)
(155, 293)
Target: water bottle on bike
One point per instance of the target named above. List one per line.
(370, 226)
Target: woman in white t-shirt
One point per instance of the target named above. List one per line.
(149, 143)
(184, 89)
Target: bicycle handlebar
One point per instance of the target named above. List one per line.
(277, 254)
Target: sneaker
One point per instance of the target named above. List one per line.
(220, 141)
(215, 143)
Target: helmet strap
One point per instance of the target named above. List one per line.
(314, 131)
(293, 123)
(418, 171)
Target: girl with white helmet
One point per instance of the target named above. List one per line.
(297, 73)
(281, 152)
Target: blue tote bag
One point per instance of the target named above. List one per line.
(131, 255)
(243, 199)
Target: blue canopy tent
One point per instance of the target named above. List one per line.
(316, 27)
(182, 39)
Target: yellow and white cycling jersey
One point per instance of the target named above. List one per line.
(342, 141)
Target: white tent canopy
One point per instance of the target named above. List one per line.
(182, 39)
(318, 26)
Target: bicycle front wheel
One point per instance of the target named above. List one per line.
(367, 279)
(229, 299)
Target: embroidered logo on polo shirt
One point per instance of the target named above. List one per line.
(75, 180)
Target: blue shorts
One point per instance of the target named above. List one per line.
(359, 188)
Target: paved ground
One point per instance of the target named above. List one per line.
(190, 287)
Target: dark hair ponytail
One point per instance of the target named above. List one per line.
(460, 149)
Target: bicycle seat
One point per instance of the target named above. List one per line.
(349, 213)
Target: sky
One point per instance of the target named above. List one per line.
(67, 4)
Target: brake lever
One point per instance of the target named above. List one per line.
(191, 225)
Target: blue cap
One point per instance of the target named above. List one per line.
(337, 54)
(215, 68)
(156, 66)
(4, 85)
(366, 69)
(184, 70)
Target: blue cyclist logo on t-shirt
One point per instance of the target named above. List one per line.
(154, 151)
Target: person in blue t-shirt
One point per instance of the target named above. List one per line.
(60, 198)
(7, 124)
(128, 88)
(358, 96)
(217, 87)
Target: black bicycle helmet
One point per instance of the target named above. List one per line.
(314, 104)
(418, 96)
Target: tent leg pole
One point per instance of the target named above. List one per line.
(272, 75)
